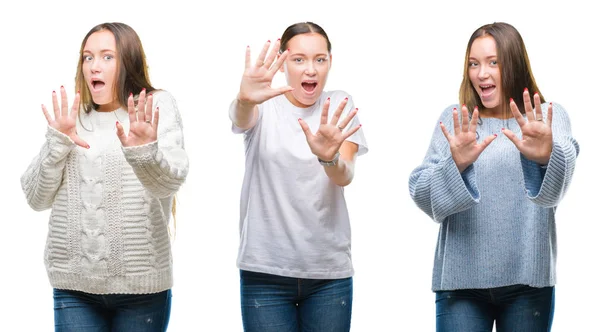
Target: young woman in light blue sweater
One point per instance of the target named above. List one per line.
(496, 169)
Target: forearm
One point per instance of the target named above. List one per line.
(243, 114)
(342, 173)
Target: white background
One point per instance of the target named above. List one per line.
(402, 65)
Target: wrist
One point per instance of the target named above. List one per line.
(330, 162)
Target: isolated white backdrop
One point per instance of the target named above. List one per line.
(402, 64)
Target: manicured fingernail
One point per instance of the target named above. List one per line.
(53, 92)
(464, 105)
(502, 129)
(454, 109)
(440, 122)
(299, 119)
(356, 109)
(328, 98)
(511, 100)
(278, 39)
(288, 50)
(62, 87)
(550, 103)
(268, 41)
(476, 108)
(360, 125)
(525, 90)
(130, 94)
(495, 135)
(88, 146)
(117, 123)
(144, 90)
(346, 98)
(77, 91)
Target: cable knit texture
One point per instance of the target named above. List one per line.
(108, 229)
(497, 224)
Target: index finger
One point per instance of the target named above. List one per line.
(247, 64)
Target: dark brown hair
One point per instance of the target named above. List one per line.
(301, 28)
(132, 70)
(513, 63)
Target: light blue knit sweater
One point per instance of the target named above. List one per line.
(497, 224)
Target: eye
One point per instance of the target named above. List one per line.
(108, 57)
(494, 62)
(298, 60)
(321, 60)
(472, 64)
(87, 58)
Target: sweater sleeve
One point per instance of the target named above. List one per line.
(436, 186)
(43, 177)
(546, 186)
(162, 166)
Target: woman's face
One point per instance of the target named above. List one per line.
(100, 68)
(306, 68)
(484, 72)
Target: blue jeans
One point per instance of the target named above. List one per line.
(272, 303)
(82, 312)
(517, 308)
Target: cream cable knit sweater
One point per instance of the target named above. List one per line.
(110, 205)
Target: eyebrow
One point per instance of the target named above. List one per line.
(101, 51)
(319, 54)
(488, 57)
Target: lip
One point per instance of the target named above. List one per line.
(93, 88)
(310, 93)
(488, 92)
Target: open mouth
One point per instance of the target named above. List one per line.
(487, 90)
(309, 86)
(97, 84)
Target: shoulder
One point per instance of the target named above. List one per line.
(447, 113)
(162, 95)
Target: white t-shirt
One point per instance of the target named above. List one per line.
(293, 219)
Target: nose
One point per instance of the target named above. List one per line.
(310, 69)
(483, 72)
(95, 66)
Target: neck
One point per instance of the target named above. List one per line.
(109, 107)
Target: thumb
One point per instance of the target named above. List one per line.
(280, 91)
(121, 133)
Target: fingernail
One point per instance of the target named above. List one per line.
(454, 109)
(525, 90)
(53, 92)
(535, 94)
(495, 135)
(117, 123)
(77, 91)
(268, 41)
(62, 87)
(502, 129)
(278, 39)
(356, 109)
(511, 100)
(247, 46)
(328, 98)
(440, 122)
(88, 146)
(299, 119)
(346, 98)
(550, 103)
(144, 90)
(464, 105)
(288, 50)
(476, 108)
(130, 94)
(360, 125)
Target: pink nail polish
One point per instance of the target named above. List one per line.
(144, 90)
(356, 109)
(289, 50)
(525, 90)
(53, 92)
(117, 123)
(502, 129)
(476, 108)
(299, 119)
(62, 87)
(88, 146)
(550, 103)
(268, 41)
(328, 98)
(463, 105)
(495, 135)
(278, 39)
(346, 98)
(360, 125)
(440, 122)
(511, 100)
(77, 91)
(130, 94)
(454, 109)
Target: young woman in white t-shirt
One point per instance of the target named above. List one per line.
(301, 147)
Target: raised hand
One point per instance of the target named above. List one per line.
(463, 145)
(142, 128)
(256, 81)
(64, 121)
(328, 139)
(536, 139)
